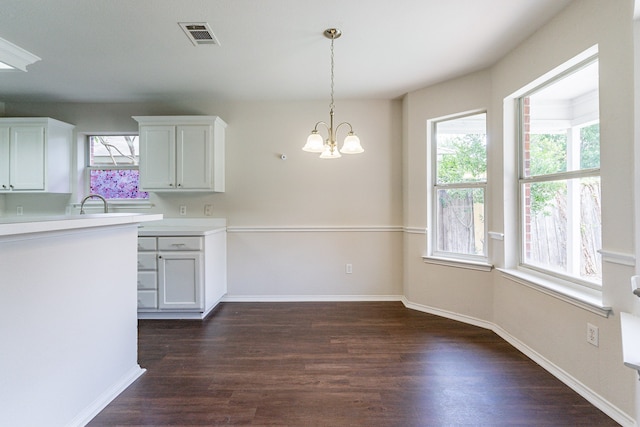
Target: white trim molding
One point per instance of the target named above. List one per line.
(495, 235)
(594, 398)
(415, 230)
(90, 412)
(15, 56)
(470, 320)
(311, 298)
(459, 263)
(618, 258)
(313, 229)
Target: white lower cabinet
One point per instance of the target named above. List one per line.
(181, 276)
(180, 280)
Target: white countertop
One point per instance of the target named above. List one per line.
(16, 226)
(630, 326)
(183, 227)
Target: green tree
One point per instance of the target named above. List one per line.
(547, 154)
(463, 158)
(590, 146)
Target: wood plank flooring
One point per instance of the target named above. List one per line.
(338, 364)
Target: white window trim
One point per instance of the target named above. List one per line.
(567, 291)
(473, 262)
(459, 263)
(116, 204)
(549, 276)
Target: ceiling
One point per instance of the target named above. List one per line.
(135, 51)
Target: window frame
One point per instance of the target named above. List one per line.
(522, 180)
(88, 168)
(472, 261)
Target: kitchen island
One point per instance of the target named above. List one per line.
(68, 323)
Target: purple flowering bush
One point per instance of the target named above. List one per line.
(116, 184)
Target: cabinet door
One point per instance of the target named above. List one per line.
(194, 157)
(157, 157)
(4, 159)
(180, 278)
(27, 154)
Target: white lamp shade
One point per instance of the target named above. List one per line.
(328, 154)
(351, 145)
(314, 144)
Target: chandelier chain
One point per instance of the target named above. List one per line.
(332, 74)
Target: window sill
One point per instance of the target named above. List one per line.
(579, 296)
(113, 204)
(459, 263)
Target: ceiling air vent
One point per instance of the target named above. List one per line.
(199, 33)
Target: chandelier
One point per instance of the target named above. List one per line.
(328, 148)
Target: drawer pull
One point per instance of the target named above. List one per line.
(178, 245)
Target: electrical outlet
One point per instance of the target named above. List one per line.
(19, 210)
(348, 268)
(592, 334)
(208, 210)
(183, 210)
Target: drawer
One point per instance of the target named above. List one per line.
(147, 244)
(147, 280)
(180, 243)
(147, 261)
(147, 299)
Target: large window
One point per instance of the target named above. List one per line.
(459, 153)
(560, 177)
(113, 167)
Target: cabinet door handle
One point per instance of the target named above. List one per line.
(159, 256)
(4, 186)
(11, 186)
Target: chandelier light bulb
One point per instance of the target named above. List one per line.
(351, 145)
(330, 153)
(314, 144)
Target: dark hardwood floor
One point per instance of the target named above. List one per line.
(338, 364)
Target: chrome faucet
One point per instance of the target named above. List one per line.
(106, 206)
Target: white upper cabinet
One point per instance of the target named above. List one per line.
(35, 155)
(181, 153)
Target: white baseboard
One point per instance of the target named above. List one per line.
(448, 314)
(594, 398)
(88, 413)
(310, 298)
(172, 315)
(178, 315)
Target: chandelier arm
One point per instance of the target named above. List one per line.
(344, 123)
(315, 128)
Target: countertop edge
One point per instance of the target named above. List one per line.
(151, 231)
(21, 226)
